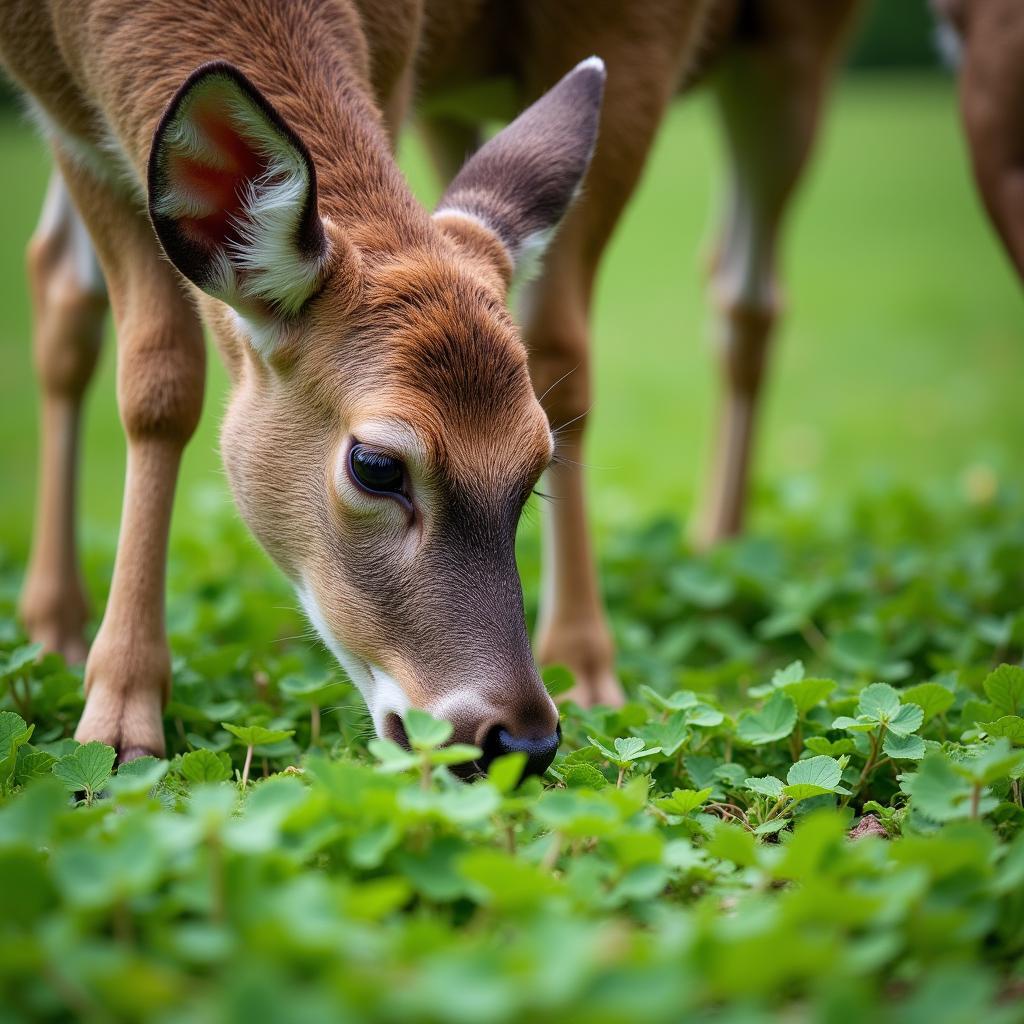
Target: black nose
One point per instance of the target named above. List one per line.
(539, 752)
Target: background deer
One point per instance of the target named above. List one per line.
(383, 432)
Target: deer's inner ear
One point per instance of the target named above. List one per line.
(233, 197)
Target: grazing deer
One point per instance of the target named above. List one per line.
(230, 163)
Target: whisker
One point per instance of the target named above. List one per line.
(558, 430)
(551, 387)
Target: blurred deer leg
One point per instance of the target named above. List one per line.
(69, 304)
(572, 627)
(160, 373)
(768, 91)
(992, 106)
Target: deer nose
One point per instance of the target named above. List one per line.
(539, 750)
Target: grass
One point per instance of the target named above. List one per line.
(900, 359)
(690, 856)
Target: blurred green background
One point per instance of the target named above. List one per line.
(901, 357)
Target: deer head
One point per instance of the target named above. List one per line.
(383, 435)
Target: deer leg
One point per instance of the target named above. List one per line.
(69, 300)
(160, 376)
(572, 627)
(768, 92)
(642, 76)
(991, 106)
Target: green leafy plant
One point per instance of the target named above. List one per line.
(773, 827)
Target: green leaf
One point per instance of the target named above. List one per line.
(257, 735)
(205, 766)
(580, 775)
(939, 792)
(626, 749)
(910, 748)
(424, 731)
(814, 776)
(678, 701)
(669, 735)
(774, 721)
(767, 785)
(1005, 689)
(455, 753)
(18, 660)
(772, 827)
(704, 716)
(87, 768)
(821, 771)
(557, 679)
(1009, 726)
(834, 748)
(792, 673)
(138, 776)
(932, 698)
(632, 748)
(733, 843)
(14, 734)
(505, 772)
(32, 764)
(682, 801)
(907, 720)
(997, 760)
(879, 702)
(860, 724)
(391, 756)
(808, 693)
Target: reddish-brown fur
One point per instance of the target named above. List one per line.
(409, 316)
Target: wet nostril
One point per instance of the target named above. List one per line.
(539, 751)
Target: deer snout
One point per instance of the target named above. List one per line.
(526, 725)
(539, 750)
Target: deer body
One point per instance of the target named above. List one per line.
(383, 431)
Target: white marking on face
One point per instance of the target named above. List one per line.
(382, 694)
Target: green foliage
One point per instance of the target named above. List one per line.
(686, 857)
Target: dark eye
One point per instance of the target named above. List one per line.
(376, 472)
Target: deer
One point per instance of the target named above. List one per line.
(231, 166)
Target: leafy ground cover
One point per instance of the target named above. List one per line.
(809, 810)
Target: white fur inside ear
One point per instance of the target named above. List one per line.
(263, 261)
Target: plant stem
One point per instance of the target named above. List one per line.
(975, 801)
(869, 765)
(622, 772)
(247, 766)
(314, 725)
(425, 772)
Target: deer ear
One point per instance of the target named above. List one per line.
(520, 184)
(232, 195)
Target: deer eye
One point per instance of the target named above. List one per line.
(376, 472)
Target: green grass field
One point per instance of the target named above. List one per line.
(901, 357)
